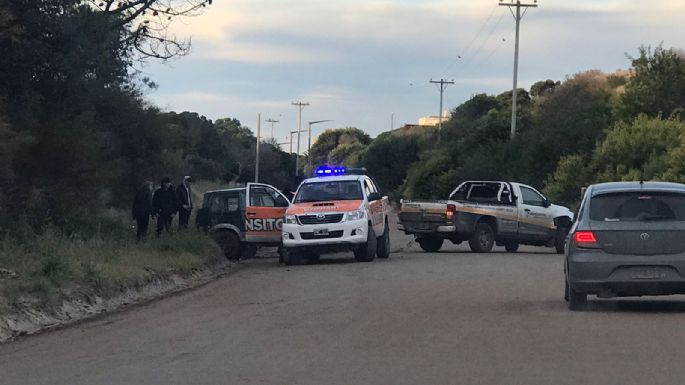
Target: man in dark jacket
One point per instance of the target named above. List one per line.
(142, 209)
(164, 205)
(185, 201)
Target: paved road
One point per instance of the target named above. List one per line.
(417, 318)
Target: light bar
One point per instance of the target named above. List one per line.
(330, 171)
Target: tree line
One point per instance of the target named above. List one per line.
(591, 127)
(77, 135)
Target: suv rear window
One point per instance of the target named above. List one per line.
(638, 206)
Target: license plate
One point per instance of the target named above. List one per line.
(424, 226)
(648, 274)
(321, 232)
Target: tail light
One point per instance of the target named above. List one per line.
(451, 211)
(585, 239)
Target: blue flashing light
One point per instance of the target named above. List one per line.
(330, 171)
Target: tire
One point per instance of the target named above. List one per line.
(229, 243)
(511, 247)
(560, 239)
(248, 250)
(291, 257)
(575, 301)
(280, 254)
(431, 244)
(483, 239)
(367, 252)
(383, 249)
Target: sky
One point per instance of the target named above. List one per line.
(367, 64)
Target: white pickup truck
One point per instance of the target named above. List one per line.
(487, 213)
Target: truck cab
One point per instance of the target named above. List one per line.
(337, 210)
(486, 213)
(243, 219)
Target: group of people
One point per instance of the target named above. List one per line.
(162, 204)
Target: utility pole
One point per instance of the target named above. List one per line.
(272, 126)
(392, 121)
(309, 144)
(300, 107)
(517, 16)
(256, 163)
(443, 84)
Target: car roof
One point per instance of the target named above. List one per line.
(238, 189)
(616, 187)
(319, 179)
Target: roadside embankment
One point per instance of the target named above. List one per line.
(53, 279)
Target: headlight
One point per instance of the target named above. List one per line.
(290, 219)
(355, 215)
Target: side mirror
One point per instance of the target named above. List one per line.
(546, 203)
(374, 196)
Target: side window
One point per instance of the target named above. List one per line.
(224, 204)
(367, 188)
(532, 198)
(260, 197)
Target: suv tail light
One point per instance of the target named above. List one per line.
(585, 239)
(451, 211)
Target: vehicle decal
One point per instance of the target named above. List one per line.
(263, 224)
(503, 213)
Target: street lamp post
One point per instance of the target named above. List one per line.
(309, 146)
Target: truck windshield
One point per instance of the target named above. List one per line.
(638, 206)
(329, 191)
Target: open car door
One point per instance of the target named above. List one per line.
(264, 212)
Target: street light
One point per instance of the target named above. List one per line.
(309, 147)
(291, 140)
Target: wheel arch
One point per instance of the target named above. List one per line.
(228, 227)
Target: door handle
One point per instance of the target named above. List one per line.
(527, 210)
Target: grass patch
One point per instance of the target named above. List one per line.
(43, 267)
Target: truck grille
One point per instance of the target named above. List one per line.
(320, 219)
(332, 234)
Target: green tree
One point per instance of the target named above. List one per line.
(657, 84)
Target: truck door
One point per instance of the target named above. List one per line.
(264, 212)
(534, 221)
(375, 208)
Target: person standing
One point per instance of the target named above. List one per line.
(185, 202)
(164, 205)
(142, 209)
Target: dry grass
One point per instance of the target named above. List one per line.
(46, 266)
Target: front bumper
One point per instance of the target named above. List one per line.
(352, 233)
(597, 272)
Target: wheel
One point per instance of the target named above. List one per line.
(367, 252)
(291, 256)
(280, 254)
(229, 243)
(247, 250)
(575, 300)
(511, 247)
(430, 244)
(483, 239)
(383, 249)
(560, 239)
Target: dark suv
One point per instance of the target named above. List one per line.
(628, 240)
(242, 219)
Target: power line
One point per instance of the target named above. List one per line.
(480, 47)
(517, 16)
(475, 36)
